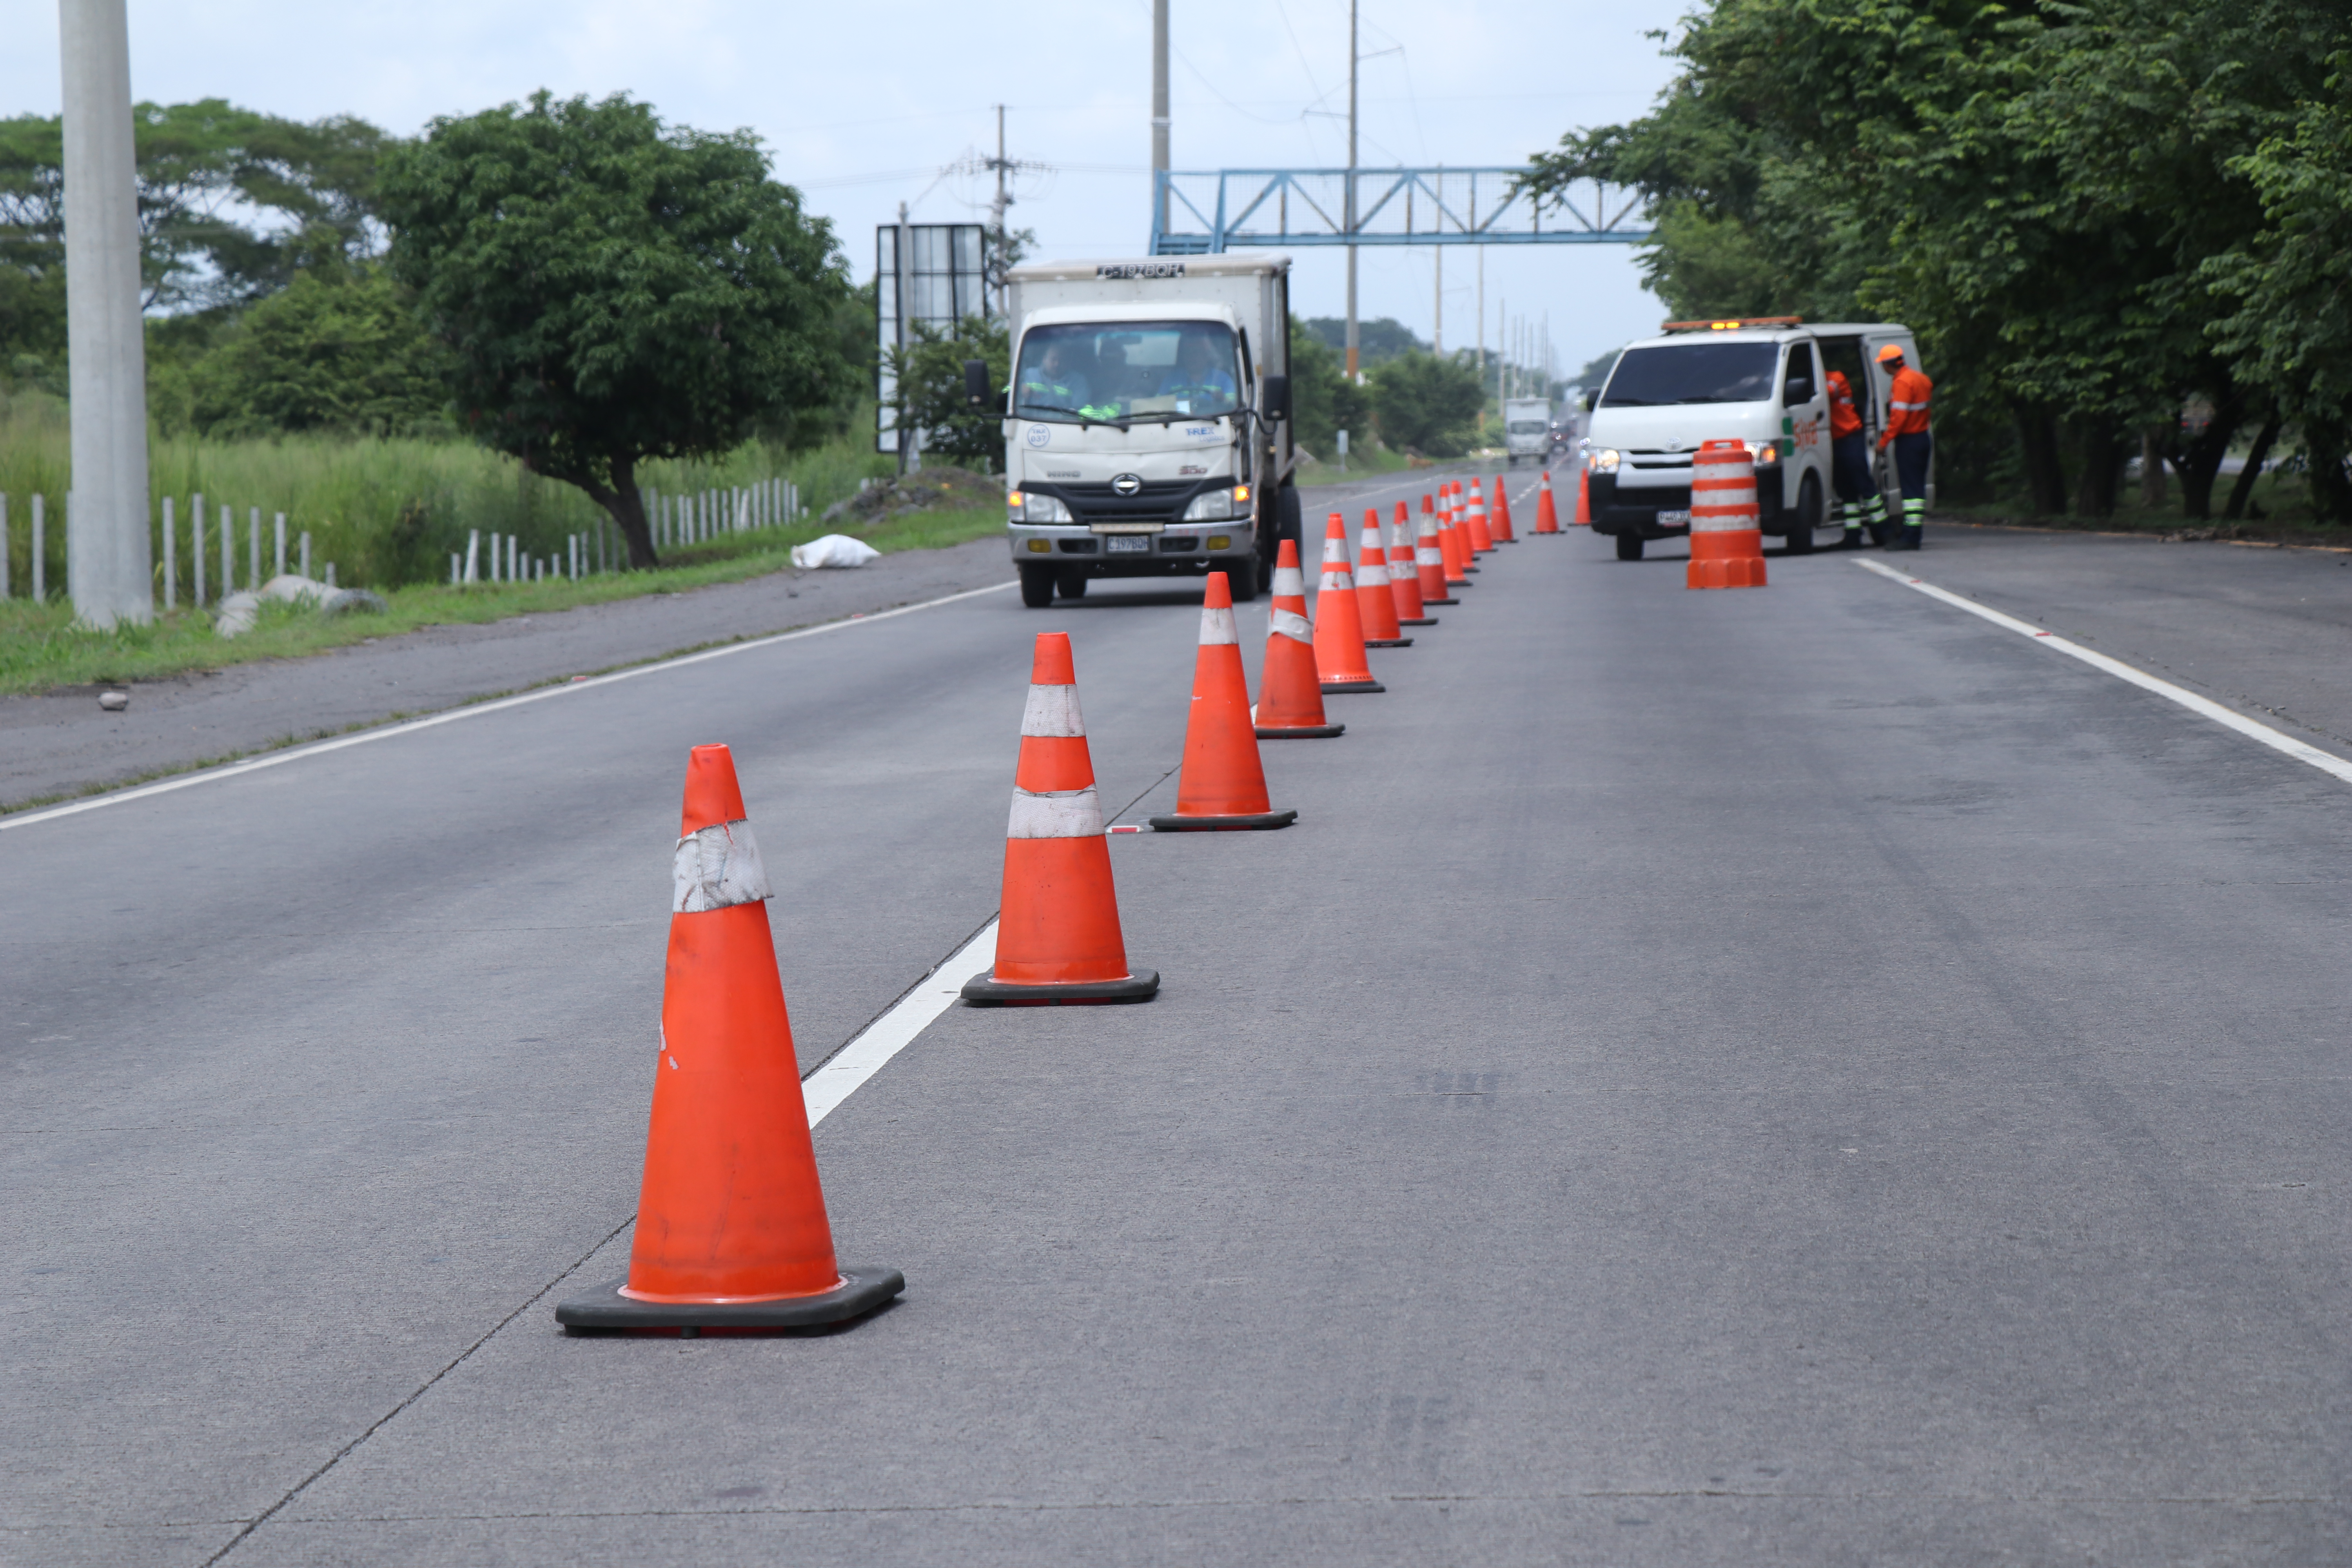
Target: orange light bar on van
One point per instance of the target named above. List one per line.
(1733, 325)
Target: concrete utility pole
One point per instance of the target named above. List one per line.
(1159, 116)
(108, 568)
(1353, 342)
(900, 266)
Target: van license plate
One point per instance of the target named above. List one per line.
(1140, 543)
(1672, 518)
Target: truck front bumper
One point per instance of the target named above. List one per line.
(1189, 550)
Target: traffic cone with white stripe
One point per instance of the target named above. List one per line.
(1290, 693)
(1338, 623)
(1057, 936)
(1481, 541)
(1429, 561)
(1375, 601)
(1546, 514)
(1222, 785)
(1404, 573)
(1726, 540)
(732, 1229)
(1453, 541)
(1500, 522)
(1584, 494)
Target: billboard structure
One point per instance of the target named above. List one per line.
(923, 272)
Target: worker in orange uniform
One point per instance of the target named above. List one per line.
(1859, 501)
(1906, 430)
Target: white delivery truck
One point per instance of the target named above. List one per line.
(1147, 431)
(1527, 428)
(1763, 381)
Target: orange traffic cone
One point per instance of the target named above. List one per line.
(1727, 545)
(1500, 522)
(1290, 694)
(1404, 573)
(1546, 514)
(731, 1230)
(1339, 624)
(1375, 600)
(1222, 784)
(1584, 495)
(1430, 560)
(1057, 936)
(1454, 545)
(1481, 541)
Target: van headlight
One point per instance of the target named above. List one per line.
(1215, 506)
(1762, 452)
(1604, 461)
(1026, 507)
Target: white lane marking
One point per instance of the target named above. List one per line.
(838, 1078)
(473, 711)
(2326, 761)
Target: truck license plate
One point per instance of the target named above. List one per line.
(1672, 518)
(1117, 542)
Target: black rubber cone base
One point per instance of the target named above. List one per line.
(1346, 686)
(1302, 733)
(987, 991)
(1423, 620)
(1245, 822)
(605, 1309)
(1387, 642)
(1428, 600)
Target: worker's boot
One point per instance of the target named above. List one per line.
(1913, 536)
(1915, 524)
(1853, 539)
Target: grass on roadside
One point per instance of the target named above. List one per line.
(42, 649)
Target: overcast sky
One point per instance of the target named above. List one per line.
(863, 104)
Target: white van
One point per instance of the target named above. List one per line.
(1760, 381)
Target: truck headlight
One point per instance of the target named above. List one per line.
(1604, 461)
(1764, 452)
(1024, 507)
(1213, 506)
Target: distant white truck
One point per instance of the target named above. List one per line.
(1527, 428)
(1762, 380)
(1147, 430)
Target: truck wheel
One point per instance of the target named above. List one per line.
(1036, 586)
(1808, 517)
(1286, 514)
(1241, 576)
(1629, 547)
(1072, 583)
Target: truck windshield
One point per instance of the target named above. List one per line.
(1692, 372)
(1530, 427)
(1117, 371)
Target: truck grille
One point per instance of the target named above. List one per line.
(1159, 500)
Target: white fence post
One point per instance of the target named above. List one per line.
(472, 549)
(171, 559)
(228, 550)
(306, 552)
(40, 548)
(277, 558)
(196, 548)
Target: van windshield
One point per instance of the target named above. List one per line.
(1692, 372)
(1118, 371)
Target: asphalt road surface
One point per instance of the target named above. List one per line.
(1787, 1077)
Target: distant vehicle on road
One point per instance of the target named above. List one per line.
(1763, 381)
(1147, 431)
(1527, 428)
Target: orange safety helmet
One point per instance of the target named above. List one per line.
(1889, 350)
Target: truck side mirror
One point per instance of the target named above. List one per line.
(1276, 402)
(975, 383)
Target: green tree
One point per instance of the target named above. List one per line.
(931, 399)
(1323, 401)
(614, 290)
(1427, 405)
(1377, 341)
(335, 350)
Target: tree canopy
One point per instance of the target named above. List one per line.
(2092, 213)
(613, 289)
(1427, 403)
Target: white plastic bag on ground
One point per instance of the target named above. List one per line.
(832, 550)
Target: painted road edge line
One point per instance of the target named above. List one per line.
(2326, 761)
(848, 1069)
(470, 711)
